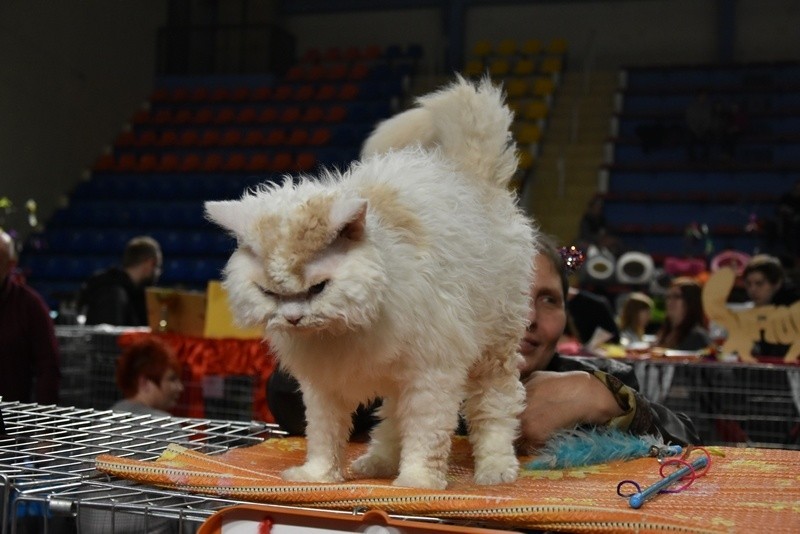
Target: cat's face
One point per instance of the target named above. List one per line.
(304, 264)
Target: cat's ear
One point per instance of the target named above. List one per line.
(227, 214)
(349, 216)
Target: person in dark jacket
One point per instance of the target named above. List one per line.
(116, 296)
(29, 357)
(566, 392)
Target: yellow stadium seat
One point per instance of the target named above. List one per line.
(506, 47)
(474, 68)
(557, 46)
(482, 48)
(529, 134)
(543, 87)
(551, 65)
(525, 159)
(516, 88)
(499, 68)
(531, 47)
(524, 67)
(535, 110)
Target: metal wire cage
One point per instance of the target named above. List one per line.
(50, 484)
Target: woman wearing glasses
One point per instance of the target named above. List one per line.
(685, 322)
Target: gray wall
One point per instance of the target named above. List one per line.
(73, 71)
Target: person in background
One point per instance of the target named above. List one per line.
(685, 322)
(29, 357)
(565, 392)
(634, 318)
(117, 296)
(765, 283)
(587, 312)
(148, 376)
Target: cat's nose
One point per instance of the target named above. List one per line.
(293, 319)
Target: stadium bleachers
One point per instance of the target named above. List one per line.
(211, 138)
(655, 190)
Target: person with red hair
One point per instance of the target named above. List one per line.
(148, 376)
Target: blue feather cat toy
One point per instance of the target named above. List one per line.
(576, 448)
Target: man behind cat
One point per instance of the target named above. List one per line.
(564, 392)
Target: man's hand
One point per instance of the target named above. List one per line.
(557, 401)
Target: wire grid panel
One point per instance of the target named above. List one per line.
(88, 365)
(731, 403)
(47, 458)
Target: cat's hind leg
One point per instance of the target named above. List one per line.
(327, 431)
(382, 459)
(495, 399)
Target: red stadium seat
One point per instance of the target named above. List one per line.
(326, 92)
(225, 116)
(168, 138)
(305, 162)
(253, 138)
(232, 137)
(320, 136)
(283, 92)
(147, 163)
(212, 162)
(268, 115)
(190, 163)
(210, 138)
(168, 162)
(261, 94)
(258, 162)
(235, 162)
(313, 114)
(189, 138)
(125, 140)
(104, 163)
(281, 162)
(247, 115)
(275, 137)
(203, 116)
(147, 138)
(290, 115)
(126, 163)
(298, 137)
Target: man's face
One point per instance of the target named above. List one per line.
(6, 262)
(547, 317)
(169, 391)
(155, 272)
(759, 289)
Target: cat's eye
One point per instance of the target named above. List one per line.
(267, 292)
(316, 289)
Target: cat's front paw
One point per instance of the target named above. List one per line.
(371, 465)
(421, 478)
(497, 471)
(306, 473)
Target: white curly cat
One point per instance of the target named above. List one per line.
(405, 277)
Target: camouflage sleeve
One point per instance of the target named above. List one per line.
(638, 417)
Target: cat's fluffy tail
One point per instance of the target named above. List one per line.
(469, 122)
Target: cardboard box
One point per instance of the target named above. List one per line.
(175, 310)
(195, 313)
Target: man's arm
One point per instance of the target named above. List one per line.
(557, 401)
(563, 400)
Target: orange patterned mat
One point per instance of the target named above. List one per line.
(746, 490)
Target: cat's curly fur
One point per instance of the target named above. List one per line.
(404, 277)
